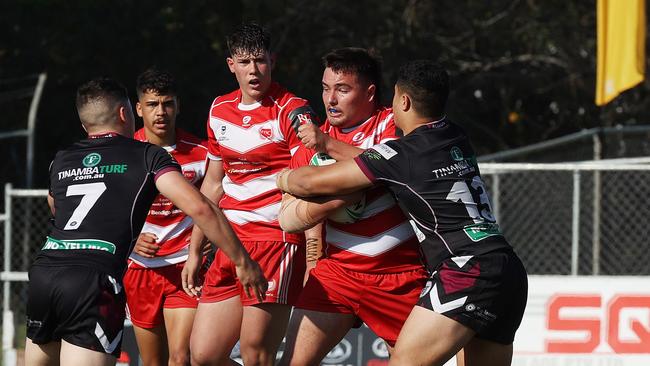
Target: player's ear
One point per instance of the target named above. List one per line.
(231, 64)
(370, 92)
(138, 109)
(406, 102)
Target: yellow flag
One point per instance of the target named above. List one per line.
(621, 47)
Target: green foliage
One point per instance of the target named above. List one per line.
(522, 70)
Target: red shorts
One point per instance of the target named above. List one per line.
(283, 265)
(149, 290)
(382, 301)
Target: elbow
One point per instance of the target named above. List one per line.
(200, 212)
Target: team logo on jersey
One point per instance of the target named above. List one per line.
(246, 121)
(266, 132)
(91, 160)
(223, 130)
(456, 153)
(304, 118)
(358, 136)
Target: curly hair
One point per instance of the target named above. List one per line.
(158, 81)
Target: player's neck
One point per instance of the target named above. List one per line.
(166, 139)
(417, 121)
(94, 133)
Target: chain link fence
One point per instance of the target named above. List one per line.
(579, 219)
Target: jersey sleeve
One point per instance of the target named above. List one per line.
(384, 161)
(160, 161)
(301, 157)
(298, 112)
(214, 153)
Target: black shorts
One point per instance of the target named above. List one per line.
(486, 293)
(78, 304)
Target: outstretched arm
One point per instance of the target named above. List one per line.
(340, 178)
(215, 226)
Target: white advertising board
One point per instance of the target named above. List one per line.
(585, 321)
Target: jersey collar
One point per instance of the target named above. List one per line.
(103, 135)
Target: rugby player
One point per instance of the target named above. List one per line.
(476, 295)
(251, 137)
(371, 269)
(160, 310)
(100, 191)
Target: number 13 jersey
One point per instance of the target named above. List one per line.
(434, 176)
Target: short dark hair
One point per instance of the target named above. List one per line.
(158, 81)
(248, 38)
(101, 89)
(359, 61)
(427, 83)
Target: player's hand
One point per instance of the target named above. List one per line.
(251, 277)
(312, 137)
(146, 245)
(190, 275)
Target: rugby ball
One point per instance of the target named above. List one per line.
(344, 215)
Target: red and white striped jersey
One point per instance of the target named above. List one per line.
(382, 241)
(172, 227)
(254, 142)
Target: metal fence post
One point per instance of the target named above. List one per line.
(496, 198)
(595, 229)
(575, 227)
(9, 357)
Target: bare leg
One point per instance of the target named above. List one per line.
(480, 352)
(75, 355)
(152, 345)
(263, 327)
(312, 334)
(429, 338)
(42, 354)
(178, 323)
(215, 332)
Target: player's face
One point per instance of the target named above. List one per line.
(348, 101)
(158, 113)
(253, 73)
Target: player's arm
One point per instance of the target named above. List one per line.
(313, 247)
(50, 202)
(300, 214)
(214, 225)
(340, 178)
(210, 188)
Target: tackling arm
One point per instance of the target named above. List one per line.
(340, 178)
(298, 215)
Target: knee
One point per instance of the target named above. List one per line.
(257, 356)
(203, 359)
(181, 358)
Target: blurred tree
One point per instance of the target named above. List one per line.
(522, 70)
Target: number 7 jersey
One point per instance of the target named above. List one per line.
(434, 176)
(102, 188)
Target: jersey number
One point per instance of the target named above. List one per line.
(462, 193)
(90, 193)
